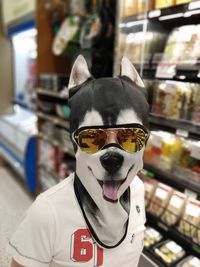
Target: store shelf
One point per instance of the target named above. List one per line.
(54, 119)
(180, 127)
(52, 173)
(51, 93)
(170, 179)
(56, 143)
(177, 12)
(171, 232)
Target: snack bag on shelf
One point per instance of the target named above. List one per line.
(174, 209)
(170, 252)
(151, 237)
(190, 261)
(189, 224)
(160, 199)
(150, 187)
(164, 3)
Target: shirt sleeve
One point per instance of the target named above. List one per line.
(32, 243)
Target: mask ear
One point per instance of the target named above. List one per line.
(127, 69)
(79, 73)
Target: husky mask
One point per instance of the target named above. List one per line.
(102, 189)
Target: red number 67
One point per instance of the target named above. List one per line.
(83, 248)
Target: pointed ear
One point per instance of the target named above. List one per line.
(79, 73)
(129, 70)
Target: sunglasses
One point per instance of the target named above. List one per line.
(130, 137)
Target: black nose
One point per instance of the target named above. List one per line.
(112, 161)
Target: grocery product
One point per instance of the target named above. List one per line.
(160, 199)
(170, 252)
(172, 99)
(164, 3)
(190, 222)
(129, 7)
(178, 2)
(144, 5)
(174, 208)
(182, 47)
(151, 237)
(189, 261)
(187, 161)
(150, 187)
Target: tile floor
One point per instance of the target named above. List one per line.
(14, 200)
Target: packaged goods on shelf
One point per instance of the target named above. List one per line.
(174, 209)
(187, 161)
(150, 187)
(173, 99)
(160, 150)
(189, 224)
(164, 3)
(160, 199)
(144, 5)
(154, 42)
(178, 2)
(151, 237)
(170, 252)
(53, 82)
(169, 152)
(63, 110)
(66, 164)
(189, 261)
(46, 180)
(182, 48)
(48, 156)
(129, 7)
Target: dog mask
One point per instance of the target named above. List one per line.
(104, 194)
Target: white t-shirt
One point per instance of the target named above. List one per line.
(53, 232)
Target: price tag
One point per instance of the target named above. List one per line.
(166, 70)
(182, 133)
(162, 194)
(152, 233)
(154, 13)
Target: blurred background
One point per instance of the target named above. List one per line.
(39, 40)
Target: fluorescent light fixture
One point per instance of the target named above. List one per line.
(190, 13)
(135, 23)
(154, 13)
(194, 5)
(172, 16)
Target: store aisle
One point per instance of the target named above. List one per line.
(14, 200)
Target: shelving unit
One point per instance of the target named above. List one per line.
(163, 20)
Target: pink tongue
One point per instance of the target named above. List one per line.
(110, 189)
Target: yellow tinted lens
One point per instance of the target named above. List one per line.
(91, 140)
(131, 139)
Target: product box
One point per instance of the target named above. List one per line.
(169, 252)
(189, 224)
(160, 199)
(189, 261)
(150, 187)
(151, 237)
(129, 7)
(178, 2)
(144, 5)
(174, 208)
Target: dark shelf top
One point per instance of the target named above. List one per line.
(189, 129)
(172, 180)
(51, 93)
